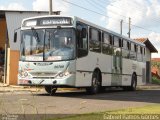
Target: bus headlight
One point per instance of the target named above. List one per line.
(23, 74)
(66, 73)
(62, 74)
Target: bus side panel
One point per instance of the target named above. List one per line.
(106, 79)
(84, 70)
(141, 73)
(86, 65)
(105, 65)
(130, 66)
(83, 79)
(127, 71)
(126, 80)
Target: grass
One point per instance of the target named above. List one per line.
(150, 109)
(155, 80)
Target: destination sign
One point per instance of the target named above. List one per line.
(55, 21)
(48, 21)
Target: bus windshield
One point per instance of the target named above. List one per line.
(48, 44)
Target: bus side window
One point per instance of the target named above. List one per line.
(125, 49)
(133, 52)
(116, 41)
(111, 39)
(139, 53)
(120, 42)
(82, 40)
(144, 54)
(95, 40)
(106, 44)
(117, 46)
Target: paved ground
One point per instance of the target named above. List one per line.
(37, 101)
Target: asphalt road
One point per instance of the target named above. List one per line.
(66, 103)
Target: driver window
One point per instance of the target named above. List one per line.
(82, 39)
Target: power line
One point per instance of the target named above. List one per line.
(88, 9)
(104, 15)
(124, 8)
(107, 16)
(95, 6)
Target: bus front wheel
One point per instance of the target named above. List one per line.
(50, 89)
(95, 85)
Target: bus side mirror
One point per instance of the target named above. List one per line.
(15, 37)
(83, 32)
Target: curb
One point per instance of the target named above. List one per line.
(11, 88)
(149, 86)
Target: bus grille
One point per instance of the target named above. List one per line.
(43, 75)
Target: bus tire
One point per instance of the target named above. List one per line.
(95, 85)
(50, 89)
(133, 82)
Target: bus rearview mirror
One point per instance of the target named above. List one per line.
(15, 37)
(84, 32)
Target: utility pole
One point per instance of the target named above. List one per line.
(121, 27)
(50, 7)
(129, 32)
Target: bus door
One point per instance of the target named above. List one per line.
(116, 64)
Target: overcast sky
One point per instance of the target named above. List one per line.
(144, 14)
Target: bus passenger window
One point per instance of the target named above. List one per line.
(95, 40)
(111, 40)
(106, 44)
(116, 41)
(128, 46)
(125, 49)
(139, 54)
(133, 52)
(135, 48)
(144, 56)
(120, 42)
(117, 44)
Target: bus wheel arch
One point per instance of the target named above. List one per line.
(96, 82)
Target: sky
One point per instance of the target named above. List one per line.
(144, 14)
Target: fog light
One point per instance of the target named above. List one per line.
(61, 75)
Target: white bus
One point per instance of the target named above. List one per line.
(66, 51)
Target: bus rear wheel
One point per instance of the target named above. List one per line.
(50, 89)
(95, 85)
(133, 84)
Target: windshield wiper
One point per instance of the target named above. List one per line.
(35, 34)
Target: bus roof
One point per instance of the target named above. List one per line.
(88, 23)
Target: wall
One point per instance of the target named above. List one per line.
(2, 33)
(14, 20)
(148, 66)
(148, 55)
(12, 67)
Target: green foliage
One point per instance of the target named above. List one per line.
(155, 80)
(155, 64)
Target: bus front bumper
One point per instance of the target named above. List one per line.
(66, 81)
